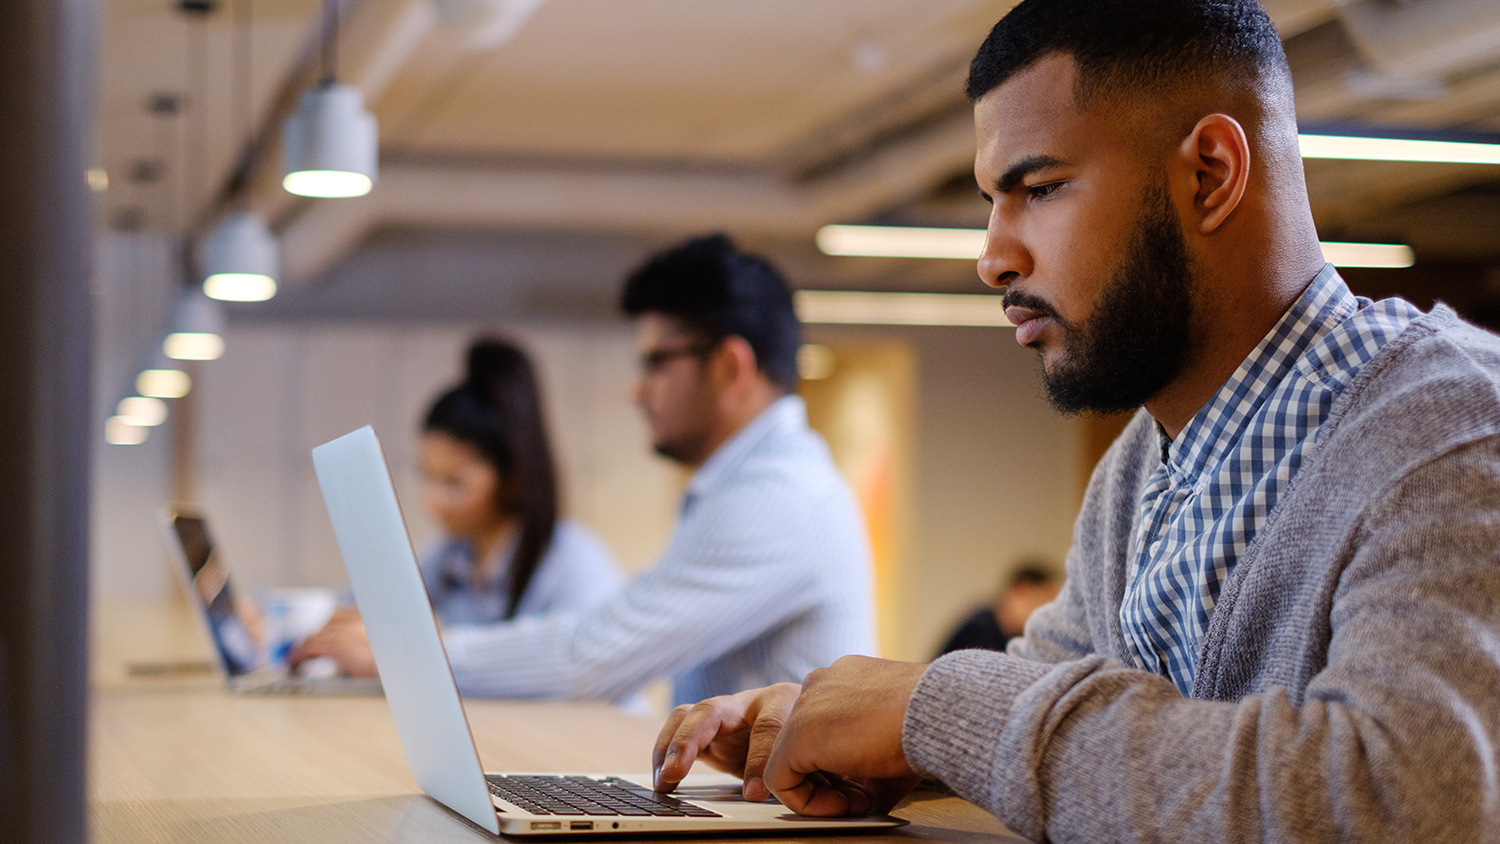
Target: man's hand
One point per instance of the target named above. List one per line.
(343, 639)
(733, 734)
(834, 750)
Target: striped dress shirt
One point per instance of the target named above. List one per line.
(1220, 478)
(766, 577)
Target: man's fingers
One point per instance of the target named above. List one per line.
(793, 775)
(825, 795)
(769, 716)
(698, 727)
(664, 738)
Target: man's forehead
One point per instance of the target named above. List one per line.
(1027, 115)
(653, 327)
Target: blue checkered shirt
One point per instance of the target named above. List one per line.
(1224, 473)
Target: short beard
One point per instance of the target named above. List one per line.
(682, 450)
(1139, 336)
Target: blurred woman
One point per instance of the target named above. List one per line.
(491, 483)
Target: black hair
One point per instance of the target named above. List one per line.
(1136, 46)
(1031, 574)
(719, 291)
(498, 410)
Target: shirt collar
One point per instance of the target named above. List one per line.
(1321, 307)
(459, 562)
(786, 414)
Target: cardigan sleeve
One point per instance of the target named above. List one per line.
(1394, 739)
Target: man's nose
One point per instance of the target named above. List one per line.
(1004, 259)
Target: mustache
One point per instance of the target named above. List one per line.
(1020, 299)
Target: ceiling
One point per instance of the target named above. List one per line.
(602, 129)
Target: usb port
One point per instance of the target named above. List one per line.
(580, 824)
(546, 825)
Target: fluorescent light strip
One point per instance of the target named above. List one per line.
(1387, 255)
(1397, 149)
(901, 242)
(847, 307)
(898, 242)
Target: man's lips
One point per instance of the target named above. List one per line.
(1029, 323)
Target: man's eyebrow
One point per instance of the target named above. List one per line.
(1023, 168)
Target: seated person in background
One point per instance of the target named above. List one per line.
(491, 483)
(991, 627)
(1281, 618)
(767, 573)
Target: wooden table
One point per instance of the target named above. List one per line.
(182, 760)
(186, 761)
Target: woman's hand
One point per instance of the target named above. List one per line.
(343, 640)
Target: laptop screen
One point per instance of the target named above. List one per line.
(211, 587)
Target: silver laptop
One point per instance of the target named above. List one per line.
(424, 698)
(240, 658)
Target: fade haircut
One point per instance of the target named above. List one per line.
(718, 291)
(1141, 50)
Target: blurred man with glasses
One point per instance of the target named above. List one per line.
(767, 573)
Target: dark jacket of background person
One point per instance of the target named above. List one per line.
(991, 627)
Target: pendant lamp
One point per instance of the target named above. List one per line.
(330, 145)
(197, 329)
(241, 259)
(163, 383)
(161, 377)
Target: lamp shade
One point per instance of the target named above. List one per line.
(330, 145)
(241, 259)
(118, 431)
(163, 383)
(147, 412)
(197, 329)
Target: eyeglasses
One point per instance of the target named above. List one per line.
(655, 360)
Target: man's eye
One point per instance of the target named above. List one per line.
(1043, 191)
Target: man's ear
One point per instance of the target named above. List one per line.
(1218, 152)
(735, 360)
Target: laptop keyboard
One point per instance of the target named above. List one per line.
(612, 796)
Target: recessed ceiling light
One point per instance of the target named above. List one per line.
(1397, 149)
(1389, 255)
(901, 242)
(869, 308)
(966, 244)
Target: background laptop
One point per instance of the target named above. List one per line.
(240, 656)
(424, 700)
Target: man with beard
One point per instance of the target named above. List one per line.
(1281, 619)
(767, 573)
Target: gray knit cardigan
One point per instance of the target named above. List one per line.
(1348, 686)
